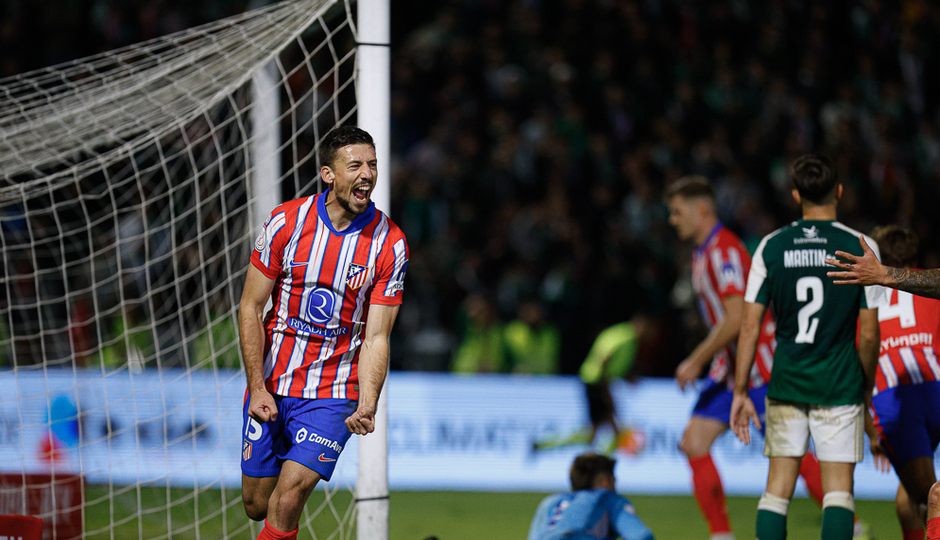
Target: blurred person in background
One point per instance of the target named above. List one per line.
(592, 510)
(481, 348)
(533, 344)
(612, 357)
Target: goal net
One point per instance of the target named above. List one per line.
(132, 184)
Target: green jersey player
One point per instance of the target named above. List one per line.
(821, 381)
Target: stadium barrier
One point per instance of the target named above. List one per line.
(446, 432)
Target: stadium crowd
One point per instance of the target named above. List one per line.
(533, 140)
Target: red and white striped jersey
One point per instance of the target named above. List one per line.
(909, 326)
(325, 281)
(719, 270)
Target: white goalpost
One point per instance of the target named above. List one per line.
(132, 184)
(374, 111)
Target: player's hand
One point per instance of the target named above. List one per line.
(742, 412)
(261, 406)
(687, 373)
(882, 463)
(865, 270)
(361, 422)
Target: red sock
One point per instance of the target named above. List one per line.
(270, 533)
(809, 470)
(912, 534)
(933, 528)
(709, 494)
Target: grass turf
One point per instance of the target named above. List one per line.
(496, 516)
(146, 513)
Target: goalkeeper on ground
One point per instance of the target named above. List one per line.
(592, 510)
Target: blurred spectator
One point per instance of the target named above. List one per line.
(481, 349)
(533, 344)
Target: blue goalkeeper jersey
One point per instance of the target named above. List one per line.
(590, 514)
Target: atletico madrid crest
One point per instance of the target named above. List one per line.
(246, 450)
(356, 276)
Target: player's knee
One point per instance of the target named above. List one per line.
(256, 509)
(902, 502)
(691, 446)
(933, 501)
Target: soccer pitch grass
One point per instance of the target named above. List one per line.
(448, 515)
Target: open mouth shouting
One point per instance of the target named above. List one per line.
(361, 193)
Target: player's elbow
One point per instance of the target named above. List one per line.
(869, 340)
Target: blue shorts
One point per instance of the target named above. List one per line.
(907, 421)
(714, 402)
(311, 432)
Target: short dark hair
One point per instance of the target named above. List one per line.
(691, 187)
(587, 467)
(341, 137)
(814, 177)
(898, 245)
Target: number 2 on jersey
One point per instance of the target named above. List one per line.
(808, 289)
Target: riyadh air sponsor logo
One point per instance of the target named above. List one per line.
(304, 436)
(356, 276)
(307, 328)
(320, 305)
(323, 459)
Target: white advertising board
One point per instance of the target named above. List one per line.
(446, 432)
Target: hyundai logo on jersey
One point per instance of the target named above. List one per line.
(320, 306)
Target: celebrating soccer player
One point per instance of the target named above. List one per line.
(333, 267)
(820, 381)
(719, 273)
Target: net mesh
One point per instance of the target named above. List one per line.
(131, 185)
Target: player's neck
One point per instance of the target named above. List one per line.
(703, 232)
(824, 212)
(339, 216)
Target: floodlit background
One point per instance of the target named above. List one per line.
(532, 141)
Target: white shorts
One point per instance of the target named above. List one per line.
(837, 431)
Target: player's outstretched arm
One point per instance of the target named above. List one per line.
(867, 270)
(255, 296)
(742, 409)
(720, 335)
(373, 365)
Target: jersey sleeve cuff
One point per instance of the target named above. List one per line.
(268, 272)
(386, 300)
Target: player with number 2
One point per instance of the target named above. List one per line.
(821, 382)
